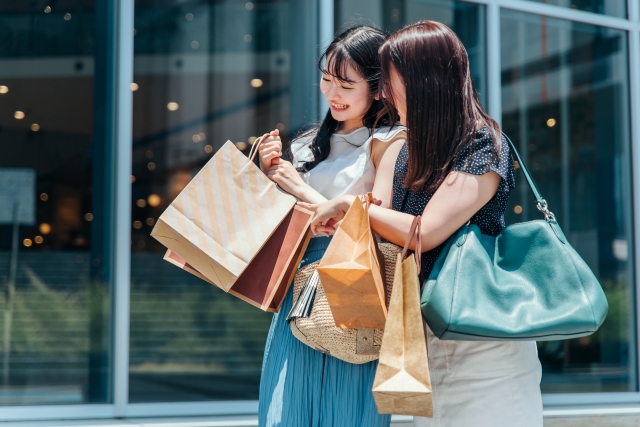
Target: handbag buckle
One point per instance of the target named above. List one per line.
(544, 208)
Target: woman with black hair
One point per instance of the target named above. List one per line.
(454, 168)
(300, 386)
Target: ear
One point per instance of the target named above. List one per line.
(376, 97)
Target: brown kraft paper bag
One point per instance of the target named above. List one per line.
(350, 272)
(402, 384)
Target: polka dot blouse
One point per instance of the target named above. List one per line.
(477, 157)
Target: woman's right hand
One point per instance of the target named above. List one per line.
(270, 150)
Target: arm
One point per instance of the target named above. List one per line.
(453, 204)
(385, 163)
(282, 172)
(287, 177)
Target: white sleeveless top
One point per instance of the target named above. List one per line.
(348, 169)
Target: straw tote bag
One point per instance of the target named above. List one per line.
(312, 322)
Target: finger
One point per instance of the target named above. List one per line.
(274, 132)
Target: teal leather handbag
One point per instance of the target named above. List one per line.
(527, 283)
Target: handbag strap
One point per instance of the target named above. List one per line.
(414, 232)
(541, 203)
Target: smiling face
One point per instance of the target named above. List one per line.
(348, 98)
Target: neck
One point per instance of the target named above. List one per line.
(350, 125)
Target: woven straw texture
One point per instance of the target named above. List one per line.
(319, 330)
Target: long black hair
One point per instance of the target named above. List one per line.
(358, 46)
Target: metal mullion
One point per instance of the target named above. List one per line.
(53, 412)
(559, 12)
(634, 76)
(494, 83)
(633, 10)
(124, 12)
(326, 33)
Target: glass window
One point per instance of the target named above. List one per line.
(617, 8)
(466, 19)
(54, 258)
(205, 72)
(565, 104)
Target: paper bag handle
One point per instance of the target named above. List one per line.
(414, 232)
(254, 147)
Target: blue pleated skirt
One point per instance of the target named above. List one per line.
(302, 387)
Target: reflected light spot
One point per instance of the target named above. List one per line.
(249, 5)
(248, 38)
(148, 154)
(134, 86)
(252, 139)
(202, 136)
(88, 216)
(517, 209)
(38, 239)
(35, 127)
(241, 145)
(151, 166)
(256, 82)
(44, 197)
(27, 242)
(47, 9)
(137, 224)
(67, 16)
(19, 115)
(280, 126)
(189, 16)
(195, 44)
(172, 106)
(134, 32)
(4, 89)
(133, 179)
(45, 228)
(208, 148)
(195, 138)
(141, 203)
(154, 200)
(150, 221)
(551, 122)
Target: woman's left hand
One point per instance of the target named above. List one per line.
(328, 214)
(286, 176)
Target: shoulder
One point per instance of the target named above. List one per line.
(384, 139)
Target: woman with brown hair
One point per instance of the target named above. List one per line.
(454, 168)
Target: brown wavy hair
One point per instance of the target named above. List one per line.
(443, 109)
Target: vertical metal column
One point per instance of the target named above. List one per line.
(123, 107)
(326, 33)
(493, 61)
(634, 77)
(112, 200)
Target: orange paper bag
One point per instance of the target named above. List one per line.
(402, 384)
(350, 272)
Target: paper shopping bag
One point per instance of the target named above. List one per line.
(223, 217)
(350, 272)
(265, 282)
(402, 384)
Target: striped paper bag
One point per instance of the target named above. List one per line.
(223, 220)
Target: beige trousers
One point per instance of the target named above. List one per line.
(483, 383)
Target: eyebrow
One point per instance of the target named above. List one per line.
(342, 79)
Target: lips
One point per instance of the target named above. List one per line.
(339, 106)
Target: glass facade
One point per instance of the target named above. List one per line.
(54, 228)
(565, 104)
(207, 71)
